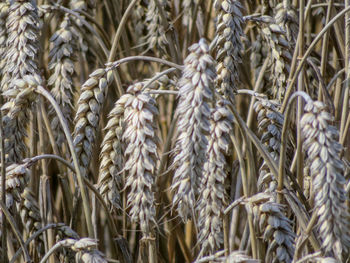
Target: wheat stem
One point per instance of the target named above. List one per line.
(307, 53)
(281, 170)
(3, 222)
(64, 124)
(15, 229)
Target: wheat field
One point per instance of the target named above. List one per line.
(175, 131)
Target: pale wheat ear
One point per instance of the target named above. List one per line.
(327, 171)
(141, 158)
(85, 249)
(4, 8)
(212, 189)
(112, 156)
(287, 18)
(270, 122)
(193, 113)
(87, 117)
(62, 55)
(156, 37)
(228, 46)
(21, 60)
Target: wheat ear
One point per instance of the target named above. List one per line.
(21, 60)
(156, 37)
(193, 113)
(141, 145)
(276, 230)
(111, 157)
(287, 17)
(279, 48)
(228, 46)
(4, 9)
(212, 192)
(62, 55)
(327, 171)
(87, 117)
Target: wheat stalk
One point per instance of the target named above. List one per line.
(193, 113)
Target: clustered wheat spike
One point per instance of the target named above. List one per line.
(258, 55)
(4, 8)
(220, 109)
(326, 169)
(85, 249)
(17, 176)
(188, 8)
(87, 117)
(270, 219)
(29, 212)
(138, 20)
(276, 230)
(141, 144)
(62, 55)
(212, 191)
(287, 18)
(193, 113)
(156, 37)
(270, 123)
(228, 46)
(280, 55)
(238, 257)
(111, 157)
(21, 59)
